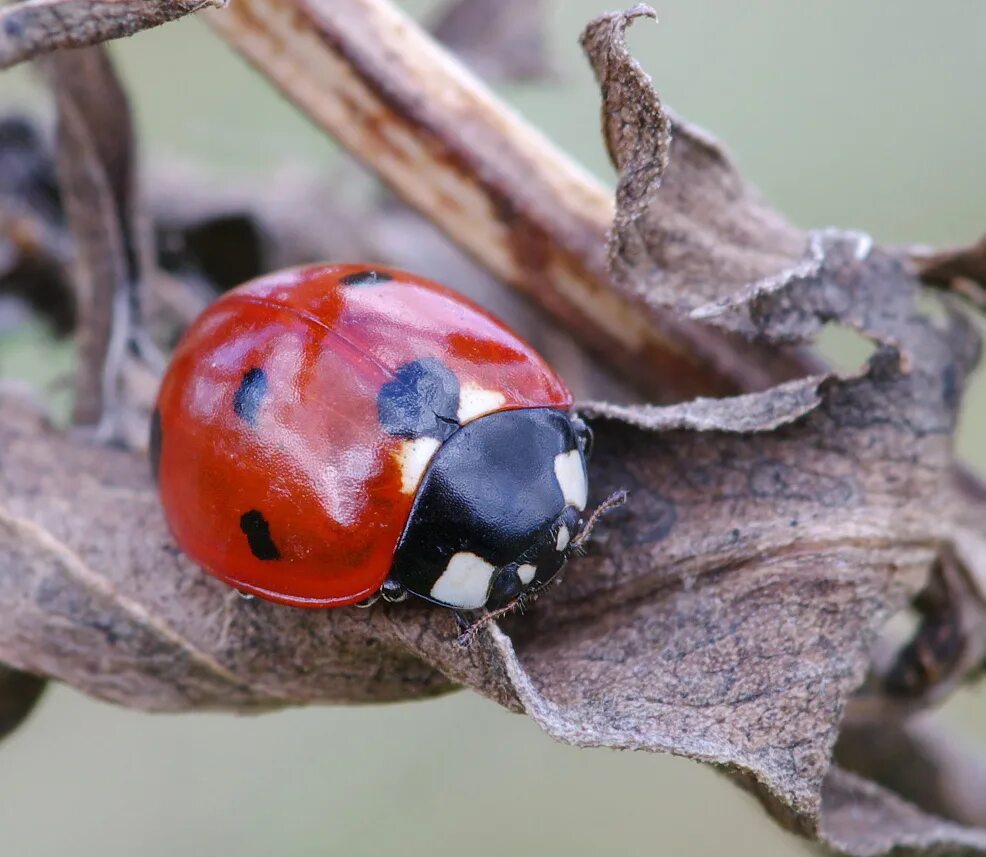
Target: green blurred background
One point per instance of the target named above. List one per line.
(863, 115)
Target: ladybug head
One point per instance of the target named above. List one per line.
(498, 510)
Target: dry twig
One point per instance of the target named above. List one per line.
(367, 75)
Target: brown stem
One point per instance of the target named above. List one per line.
(371, 78)
(95, 158)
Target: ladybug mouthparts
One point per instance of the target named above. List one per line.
(536, 567)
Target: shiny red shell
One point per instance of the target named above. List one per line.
(315, 457)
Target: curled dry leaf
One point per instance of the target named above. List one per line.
(708, 232)
(95, 166)
(948, 645)
(704, 243)
(35, 27)
(920, 761)
(95, 154)
(866, 820)
(499, 39)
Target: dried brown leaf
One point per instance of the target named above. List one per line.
(636, 126)
(944, 265)
(35, 27)
(96, 160)
(690, 234)
(97, 595)
(726, 614)
(960, 269)
(948, 646)
(707, 236)
(919, 760)
(864, 819)
(499, 39)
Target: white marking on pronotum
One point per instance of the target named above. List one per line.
(474, 401)
(563, 538)
(526, 573)
(570, 473)
(413, 456)
(465, 581)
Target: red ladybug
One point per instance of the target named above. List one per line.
(327, 434)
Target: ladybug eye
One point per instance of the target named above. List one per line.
(584, 436)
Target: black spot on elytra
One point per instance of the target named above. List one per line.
(366, 278)
(154, 444)
(421, 400)
(257, 531)
(250, 395)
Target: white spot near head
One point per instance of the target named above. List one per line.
(526, 573)
(474, 402)
(413, 457)
(570, 473)
(465, 581)
(563, 538)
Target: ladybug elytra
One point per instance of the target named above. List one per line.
(331, 434)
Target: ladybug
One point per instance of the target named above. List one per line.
(332, 434)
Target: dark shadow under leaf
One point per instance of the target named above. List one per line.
(19, 693)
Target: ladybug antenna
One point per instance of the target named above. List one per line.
(519, 603)
(613, 501)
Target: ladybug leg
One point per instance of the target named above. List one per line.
(390, 591)
(246, 596)
(393, 591)
(460, 618)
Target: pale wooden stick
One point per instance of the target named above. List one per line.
(370, 77)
